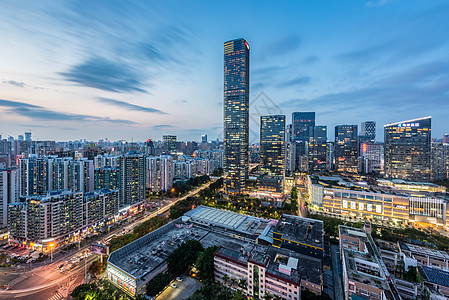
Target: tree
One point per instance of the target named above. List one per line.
(184, 257)
(205, 264)
(157, 284)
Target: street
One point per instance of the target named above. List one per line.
(47, 282)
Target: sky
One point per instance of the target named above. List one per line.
(142, 69)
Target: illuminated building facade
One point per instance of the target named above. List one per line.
(8, 192)
(317, 149)
(132, 179)
(408, 149)
(398, 206)
(53, 218)
(236, 114)
(301, 121)
(372, 155)
(107, 178)
(169, 144)
(346, 148)
(440, 161)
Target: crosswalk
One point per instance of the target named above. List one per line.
(57, 296)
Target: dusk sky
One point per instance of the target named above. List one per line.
(142, 69)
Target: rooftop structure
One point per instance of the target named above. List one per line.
(248, 226)
(243, 241)
(302, 235)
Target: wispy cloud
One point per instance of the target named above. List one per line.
(302, 80)
(36, 112)
(14, 83)
(104, 74)
(130, 106)
(163, 126)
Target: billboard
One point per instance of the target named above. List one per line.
(99, 249)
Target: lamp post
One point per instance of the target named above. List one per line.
(51, 245)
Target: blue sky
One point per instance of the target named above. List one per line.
(141, 69)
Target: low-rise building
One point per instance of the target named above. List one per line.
(364, 272)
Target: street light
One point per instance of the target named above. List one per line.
(51, 245)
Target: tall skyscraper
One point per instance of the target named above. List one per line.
(346, 148)
(149, 147)
(132, 179)
(440, 161)
(368, 132)
(317, 148)
(272, 154)
(272, 145)
(301, 121)
(236, 114)
(169, 144)
(28, 136)
(8, 193)
(408, 149)
(204, 138)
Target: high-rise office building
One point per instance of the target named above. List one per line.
(272, 145)
(346, 148)
(132, 179)
(372, 158)
(204, 138)
(301, 121)
(317, 148)
(408, 149)
(368, 131)
(149, 147)
(28, 136)
(169, 144)
(440, 161)
(272, 154)
(236, 114)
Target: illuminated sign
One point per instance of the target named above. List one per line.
(369, 207)
(400, 206)
(408, 125)
(99, 249)
(378, 208)
(353, 205)
(345, 203)
(122, 280)
(361, 206)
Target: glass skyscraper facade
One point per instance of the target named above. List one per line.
(301, 121)
(346, 148)
(408, 149)
(272, 145)
(236, 114)
(317, 149)
(368, 132)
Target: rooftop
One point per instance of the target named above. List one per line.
(302, 230)
(415, 249)
(208, 216)
(434, 275)
(147, 254)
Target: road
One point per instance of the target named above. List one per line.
(337, 273)
(47, 282)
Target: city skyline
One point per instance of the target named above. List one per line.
(69, 72)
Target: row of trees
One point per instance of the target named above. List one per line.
(138, 231)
